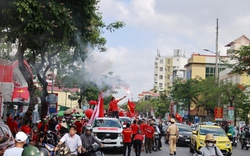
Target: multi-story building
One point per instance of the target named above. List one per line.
(203, 66)
(146, 95)
(168, 68)
(227, 75)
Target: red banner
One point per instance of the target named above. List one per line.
(218, 113)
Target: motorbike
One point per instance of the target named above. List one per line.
(156, 138)
(245, 143)
(63, 150)
(93, 150)
(235, 141)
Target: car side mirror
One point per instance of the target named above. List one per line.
(229, 134)
(194, 132)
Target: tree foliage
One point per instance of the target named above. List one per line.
(240, 60)
(45, 28)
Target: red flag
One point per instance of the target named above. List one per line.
(21, 92)
(178, 117)
(131, 108)
(101, 107)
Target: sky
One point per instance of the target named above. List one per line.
(166, 25)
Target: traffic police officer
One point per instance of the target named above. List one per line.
(172, 135)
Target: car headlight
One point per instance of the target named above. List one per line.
(228, 145)
(180, 135)
(119, 134)
(94, 134)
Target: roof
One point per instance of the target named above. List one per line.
(107, 118)
(16, 103)
(233, 42)
(210, 126)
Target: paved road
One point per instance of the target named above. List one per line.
(181, 151)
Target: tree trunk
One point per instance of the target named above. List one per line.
(44, 104)
(28, 77)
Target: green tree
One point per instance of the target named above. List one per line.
(40, 25)
(240, 60)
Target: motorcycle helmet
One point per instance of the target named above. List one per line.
(30, 151)
(43, 152)
(88, 127)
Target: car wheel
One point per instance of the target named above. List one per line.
(121, 150)
(191, 150)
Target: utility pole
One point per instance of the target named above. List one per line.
(216, 51)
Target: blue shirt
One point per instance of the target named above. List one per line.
(72, 142)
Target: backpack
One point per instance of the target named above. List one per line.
(247, 134)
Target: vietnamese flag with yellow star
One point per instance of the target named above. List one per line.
(21, 92)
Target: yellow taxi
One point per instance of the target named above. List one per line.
(222, 140)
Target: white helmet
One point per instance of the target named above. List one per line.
(89, 127)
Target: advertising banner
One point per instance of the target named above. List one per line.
(230, 113)
(218, 113)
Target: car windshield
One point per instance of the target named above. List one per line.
(211, 130)
(184, 128)
(107, 123)
(127, 120)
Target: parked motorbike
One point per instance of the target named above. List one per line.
(245, 143)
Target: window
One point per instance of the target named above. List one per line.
(160, 76)
(161, 68)
(160, 85)
(106, 123)
(168, 68)
(210, 71)
(161, 61)
(4, 134)
(168, 76)
(168, 61)
(177, 60)
(168, 84)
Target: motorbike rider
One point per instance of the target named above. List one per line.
(72, 140)
(160, 127)
(245, 134)
(31, 151)
(231, 131)
(88, 139)
(210, 148)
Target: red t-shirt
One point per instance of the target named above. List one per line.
(139, 137)
(150, 132)
(114, 105)
(143, 127)
(127, 135)
(134, 128)
(79, 126)
(26, 129)
(39, 125)
(9, 121)
(14, 127)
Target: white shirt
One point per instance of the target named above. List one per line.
(15, 151)
(73, 142)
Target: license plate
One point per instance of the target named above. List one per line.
(107, 141)
(187, 139)
(231, 141)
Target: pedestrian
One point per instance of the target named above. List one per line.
(210, 148)
(14, 127)
(20, 140)
(172, 135)
(134, 128)
(113, 105)
(9, 120)
(27, 130)
(149, 134)
(139, 140)
(127, 139)
(160, 127)
(79, 126)
(72, 140)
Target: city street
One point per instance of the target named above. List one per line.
(181, 151)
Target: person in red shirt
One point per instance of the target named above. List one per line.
(113, 105)
(149, 134)
(14, 127)
(27, 130)
(79, 126)
(127, 139)
(138, 143)
(143, 126)
(134, 128)
(9, 120)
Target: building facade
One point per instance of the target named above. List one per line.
(146, 95)
(227, 75)
(203, 66)
(168, 68)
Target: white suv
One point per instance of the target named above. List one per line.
(108, 131)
